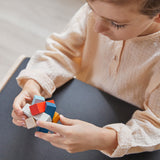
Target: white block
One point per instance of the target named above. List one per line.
(43, 117)
(26, 110)
(36, 117)
(30, 123)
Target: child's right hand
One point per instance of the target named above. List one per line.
(30, 89)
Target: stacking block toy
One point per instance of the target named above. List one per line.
(40, 110)
(37, 108)
(51, 101)
(30, 123)
(56, 117)
(45, 117)
(40, 129)
(50, 109)
(26, 110)
(38, 99)
(37, 117)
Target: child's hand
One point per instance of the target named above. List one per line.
(76, 136)
(30, 89)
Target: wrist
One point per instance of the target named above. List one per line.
(33, 85)
(108, 139)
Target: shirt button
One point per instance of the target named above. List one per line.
(115, 57)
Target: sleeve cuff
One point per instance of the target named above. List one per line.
(124, 140)
(44, 81)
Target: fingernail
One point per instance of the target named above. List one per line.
(61, 115)
(23, 118)
(58, 134)
(36, 135)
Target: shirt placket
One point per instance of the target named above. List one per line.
(116, 58)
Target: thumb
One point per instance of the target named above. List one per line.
(66, 121)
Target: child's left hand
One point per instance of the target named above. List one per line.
(75, 135)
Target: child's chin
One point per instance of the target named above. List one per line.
(109, 36)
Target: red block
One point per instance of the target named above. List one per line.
(37, 108)
(41, 107)
(34, 109)
(51, 101)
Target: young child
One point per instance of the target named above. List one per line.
(113, 45)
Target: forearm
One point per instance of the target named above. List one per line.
(33, 85)
(107, 140)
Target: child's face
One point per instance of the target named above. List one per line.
(121, 22)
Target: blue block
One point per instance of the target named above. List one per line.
(40, 129)
(38, 99)
(50, 109)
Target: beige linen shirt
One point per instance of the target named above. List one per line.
(129, 70)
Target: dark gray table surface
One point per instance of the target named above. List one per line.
(76, 100)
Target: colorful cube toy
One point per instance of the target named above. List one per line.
(40, 110)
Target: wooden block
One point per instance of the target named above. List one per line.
(51, 101)
(41, 107)
(37, 117)
(38, 99)
(26, 110)
(50, 109)
(43, 117)
(30, 123)
(37, 108)
(44, 130)
(34, 109)
(56, 117)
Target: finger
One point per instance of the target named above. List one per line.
(54, 127)
(19, 123)
(66, 121)
(52, 138)
(18, 103)
(17, 117)
(44, 136)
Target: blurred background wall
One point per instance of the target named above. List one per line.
(25, 24)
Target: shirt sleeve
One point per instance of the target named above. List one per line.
(142, 132)
(61, 60)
